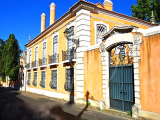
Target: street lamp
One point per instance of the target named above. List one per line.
(66, 32)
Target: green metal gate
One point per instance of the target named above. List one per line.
(121, 80)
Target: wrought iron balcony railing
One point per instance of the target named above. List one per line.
(68, 55)
(53, 58)
(43, 61)
(34, 64)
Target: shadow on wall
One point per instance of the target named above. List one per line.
(14, 108)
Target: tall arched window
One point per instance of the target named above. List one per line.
(100, 31)
(44, 54)
(30, 58)
(36, 56)
(55, 45)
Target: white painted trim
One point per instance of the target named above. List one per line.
(53, 64)
(95, 26)
(67, 61)
(149, 31)
(49, 93)
(91, 47)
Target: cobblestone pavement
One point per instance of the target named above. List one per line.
(17, 105)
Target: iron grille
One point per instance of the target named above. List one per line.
(69, 84)
(35, 79)
(42, 83)
(34, 64)
(121, 55)
(53, 58)
(42, 61)
(29, 79)
(53, 83)
(101, 30)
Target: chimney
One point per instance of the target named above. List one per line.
(52, 13)
(43, 22)
(108, 5)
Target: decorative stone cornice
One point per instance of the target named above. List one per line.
(119, 28)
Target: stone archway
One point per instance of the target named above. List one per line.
(114, 37)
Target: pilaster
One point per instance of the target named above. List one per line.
(83, 33)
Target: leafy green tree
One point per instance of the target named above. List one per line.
(143, 10)
(12, 55)
(2, 59)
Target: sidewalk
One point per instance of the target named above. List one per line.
(29, 106)
(78, 108)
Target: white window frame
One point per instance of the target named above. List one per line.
(95, 28)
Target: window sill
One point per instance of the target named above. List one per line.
(53, 64)
(68, 61)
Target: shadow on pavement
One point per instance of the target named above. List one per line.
(14, 108)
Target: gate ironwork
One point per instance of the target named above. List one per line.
(121, 77)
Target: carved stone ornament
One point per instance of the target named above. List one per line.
(137, 39)
(103, 47)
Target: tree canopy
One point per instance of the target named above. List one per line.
(143, 10)
(10, 54)
(2, 59)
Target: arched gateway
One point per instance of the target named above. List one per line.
(120, 56)
(121, 81)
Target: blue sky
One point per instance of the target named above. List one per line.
(22, 17)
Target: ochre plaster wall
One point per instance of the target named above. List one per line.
(93, 74)
(60, 68)
(150, 73)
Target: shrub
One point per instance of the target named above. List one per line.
(89, 103)
(129, 113)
